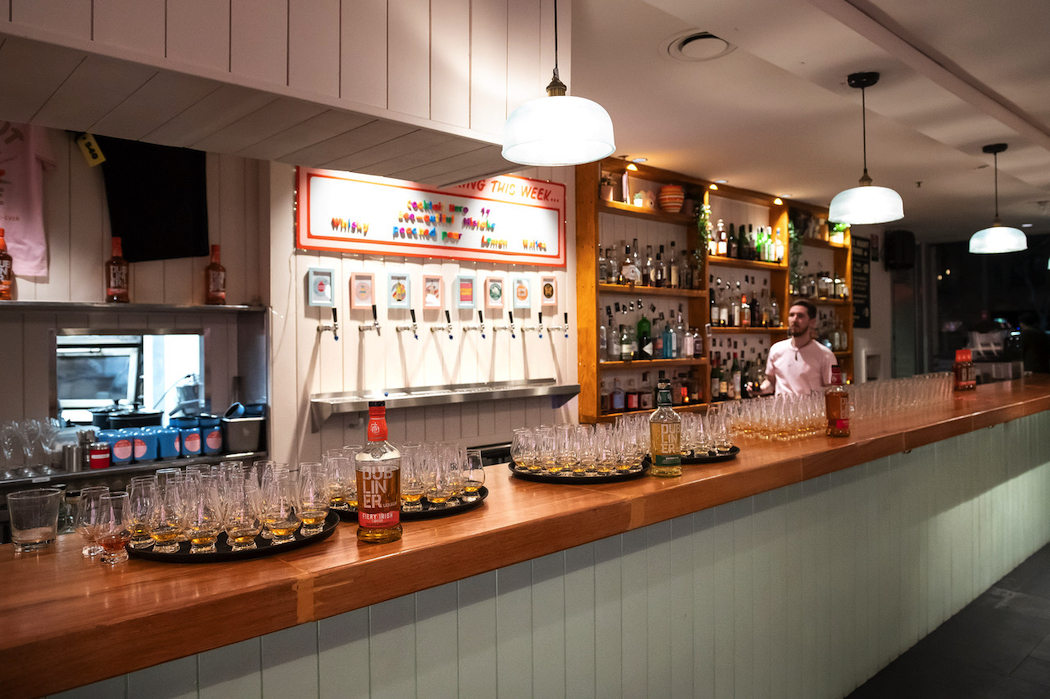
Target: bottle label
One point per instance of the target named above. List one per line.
(122, 450)
(377, 428)
(666, 443)
(378, 495)
(192, 443)
(140, 448)
(118, 280)
(214, 440)
(5, 270)
(216, 284)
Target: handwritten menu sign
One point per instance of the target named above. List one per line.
(861, 282)
(505, 219)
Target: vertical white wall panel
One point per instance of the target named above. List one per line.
(525, 75)
(408, 57)
(198, 32)
(259, 39)
(450, 62)
(313, 45)
(67, 17)
(136, 25)
(289, 662)
(476, 652)
(514, 661)
(11, 369)
(392, 657)
(488, 66)
(437, 666)
(363, 65)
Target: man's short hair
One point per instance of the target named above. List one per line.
(810, 308)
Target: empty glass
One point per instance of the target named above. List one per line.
(87, 518)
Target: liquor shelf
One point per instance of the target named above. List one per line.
(324, 405)
(716, 260)
(826, 244)
(720, 330)
(654, 363)
(645, 212)
(57, 598)
(631, 289)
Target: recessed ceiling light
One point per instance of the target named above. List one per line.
(694, 46)
(722, 181)
(787, 196)
(1026, 225)
(639, 160)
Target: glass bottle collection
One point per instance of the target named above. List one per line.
(730, 308)
(625, 265)
(737, 242)
(117, 277)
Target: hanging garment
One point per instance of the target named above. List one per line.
(24, 155)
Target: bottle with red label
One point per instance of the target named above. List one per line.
(7, 274)
(836, 406)
(215, 280)
(116, 275)
(378, 483)
(964, 370)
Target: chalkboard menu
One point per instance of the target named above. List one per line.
(861, 282)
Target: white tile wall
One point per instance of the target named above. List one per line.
(805, 591)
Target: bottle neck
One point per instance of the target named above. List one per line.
(215, 254)
(377, 425)
(117, 248)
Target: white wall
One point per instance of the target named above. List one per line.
(305, 362)
(804, 591)
(76, 221)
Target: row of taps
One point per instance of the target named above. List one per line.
(413, 327)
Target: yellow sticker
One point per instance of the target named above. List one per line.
(89, 147)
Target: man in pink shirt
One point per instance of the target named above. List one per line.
(799, 365)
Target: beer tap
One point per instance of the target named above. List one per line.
(534, 328)
(506, 327)
(480, 326)
(334, 326)
(561, 328)
(413, 327)
(444, 328)
(374, 325)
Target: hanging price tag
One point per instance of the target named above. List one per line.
(89, 147)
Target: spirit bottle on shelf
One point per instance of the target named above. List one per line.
(722, 246)
(614, 267)
(647, 269)
(605, 402)
(625, 345)
(658, 337)
(724, 310)
(836, 406)
(7, 274)
(734, 308)
(116, 275)
(378, 483)
(778, 247)
(617, 398)
(660, 271)
(630, 272)
(646, 396)
(665, 435)
(631, 397)
(731, 242)
(737, 374)
(672, 268)
(682, 349)
(603, 267)
(645, 340)
(215, 280)
(745, 312)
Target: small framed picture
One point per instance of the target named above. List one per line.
(548, 291)
(494, 292)
(522, 290)
(362, 290)
(320, 290)
(399, 290)
(432, 291)
(465, 293)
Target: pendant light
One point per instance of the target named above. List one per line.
(866, 203)
(557, 129)
(997, 238)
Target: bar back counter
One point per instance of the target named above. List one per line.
(796, 570)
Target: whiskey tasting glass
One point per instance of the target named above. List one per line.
(439, 483)
(313, 497)
(203, 520)
(545, 448)
(588, 450)
(281, 516)
(413, 477)
(165, 523)
(564, 449)
(87, 518)
(473, 475)
(454, 457)
(141, 492)
(114, 527)
(350, 483)
(243, 523)
(604, 449)
(340, 470)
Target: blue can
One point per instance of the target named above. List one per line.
(122, 445)
(169, 442)
(211, 434)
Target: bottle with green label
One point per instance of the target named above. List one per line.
(665, 435)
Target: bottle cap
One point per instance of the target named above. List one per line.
(960, 355)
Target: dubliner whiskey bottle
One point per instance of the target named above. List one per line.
(116, 275)
(378, 483)
(215, 279)
(665, 435)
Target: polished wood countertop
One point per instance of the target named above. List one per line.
(107, 621)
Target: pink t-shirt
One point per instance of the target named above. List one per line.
(802, 371)
(24, 155)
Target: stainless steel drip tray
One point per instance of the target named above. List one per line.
(324, 405)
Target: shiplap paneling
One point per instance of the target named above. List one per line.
(135, 25)
(596, 620)
(313, 45)
(362, 78)
(450, 62)
(67, 17)
(408, 57)
(488, 74)
(198, 32)
(259, 39)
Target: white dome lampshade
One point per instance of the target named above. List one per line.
(558, 130)
(998, 238)
(866, 204)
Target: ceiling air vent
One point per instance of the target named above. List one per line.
(694, 46)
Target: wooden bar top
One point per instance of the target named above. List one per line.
(106, 621)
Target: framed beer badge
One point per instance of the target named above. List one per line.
(432, 296)
(548, 291)
(522, 290)
(362, 290)
(399, 290)
(464, 292)
(320, 290)
(494, 292)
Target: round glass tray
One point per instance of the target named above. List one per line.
(429, 511)
(708, 459)
(570, 478)
(223, 552)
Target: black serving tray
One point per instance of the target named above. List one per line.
(705, 459)
(571, 479)
(223, 551)
(429, 511)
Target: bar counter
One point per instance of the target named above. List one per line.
(67, 621)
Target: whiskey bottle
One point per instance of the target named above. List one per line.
(116, 275)
(378, 483)
(215, 280)
(665, 435)
(7, 274)
(836, 406)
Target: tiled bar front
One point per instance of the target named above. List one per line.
(804, 590)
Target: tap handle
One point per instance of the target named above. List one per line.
(481, 320)
(539, 325)
(511, 315)
(335, 323)
(448, 319)
(566, 323)
(412, 312)
(375, 314)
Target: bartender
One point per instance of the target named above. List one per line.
(799, 365)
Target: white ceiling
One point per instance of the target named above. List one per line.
(776, 115)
